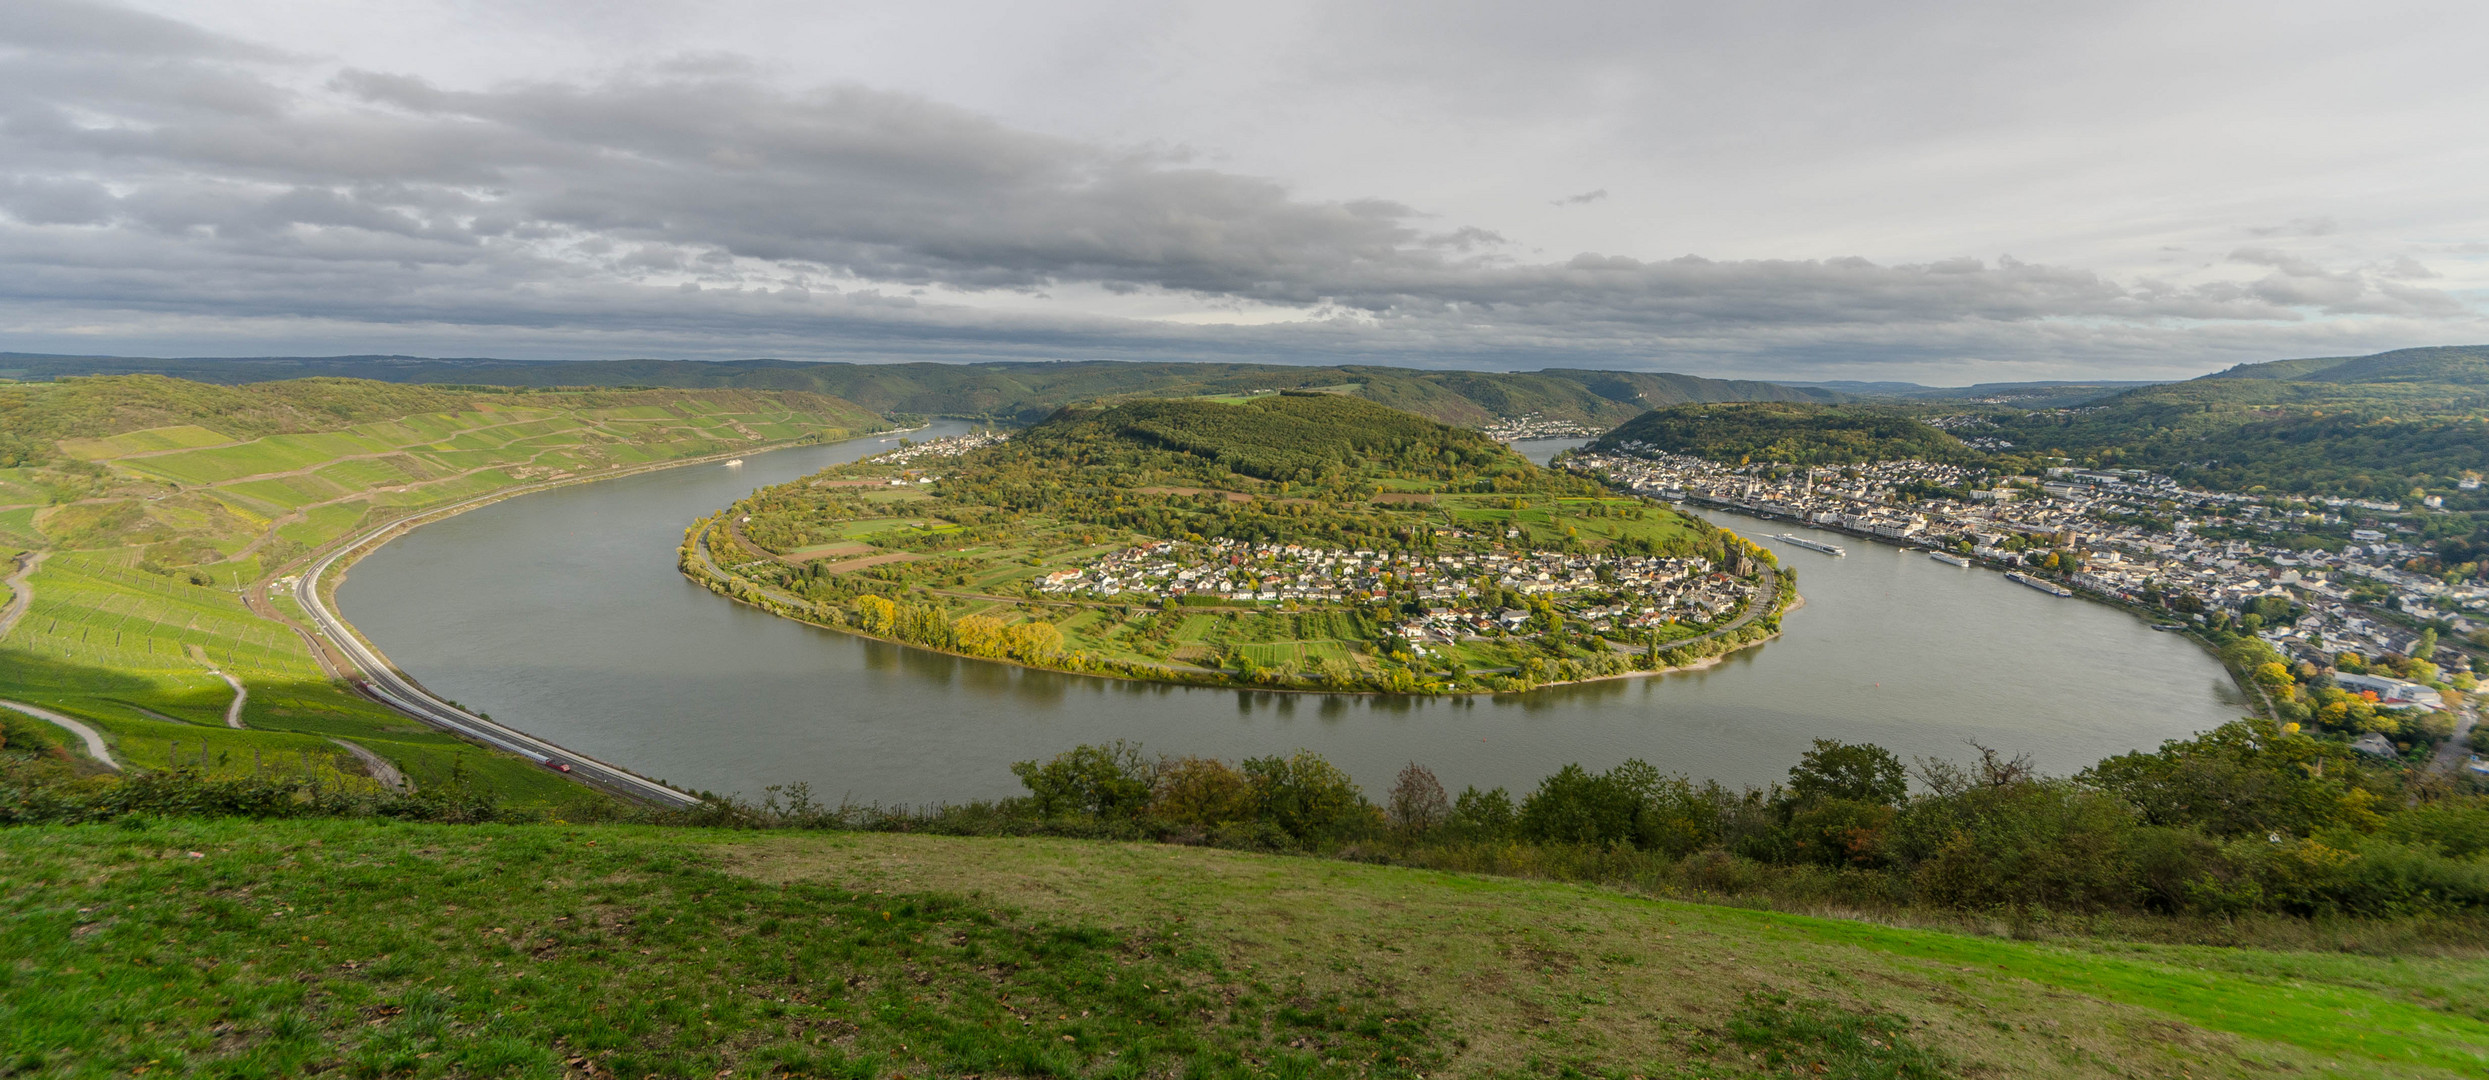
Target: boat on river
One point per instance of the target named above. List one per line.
(735, 462)
(2049, 587)
(1834, 550)
(1948, 557)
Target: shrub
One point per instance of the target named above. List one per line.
(1307, 798)
(1111, 781)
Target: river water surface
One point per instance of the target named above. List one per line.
(561, 614)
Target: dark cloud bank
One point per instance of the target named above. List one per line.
(160, 184)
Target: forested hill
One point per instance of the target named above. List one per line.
(1791, 433)
(1011, 392)
(2398, 425)
(2455, 364)
(1300, 438)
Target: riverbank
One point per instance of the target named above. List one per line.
(359, 661)
(2241, 678)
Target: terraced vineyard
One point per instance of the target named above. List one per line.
(160, 542)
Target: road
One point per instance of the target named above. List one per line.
(386, 685)
(94, 739)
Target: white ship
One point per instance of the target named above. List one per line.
(735, 462)
(2049, 587)
(1948, 557)
(1834, 550)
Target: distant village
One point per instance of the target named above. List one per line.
(946, 446)
(1534, 426)
(2107, 525)
(1610, 593)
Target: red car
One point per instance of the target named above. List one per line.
(557, 765)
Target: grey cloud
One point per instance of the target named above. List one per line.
(1577, 200)
(66, 26)
(192, 182)
(2307, 226)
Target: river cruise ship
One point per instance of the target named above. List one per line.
(2049, 587)
(1834, 550)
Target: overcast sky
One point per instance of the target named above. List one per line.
(1941, 192)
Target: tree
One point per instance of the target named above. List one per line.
(1858, 772)
(1306, 797)
(1201, 793)
(1417, 801)
(1111, 781)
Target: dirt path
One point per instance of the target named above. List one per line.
(233, 712)
(21, 593)
(2452, 753)
(381, 768)
(94, 740)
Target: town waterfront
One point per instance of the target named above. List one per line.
(561, 614)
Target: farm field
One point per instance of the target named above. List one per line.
(160, 544)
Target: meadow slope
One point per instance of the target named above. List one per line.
(250, 948)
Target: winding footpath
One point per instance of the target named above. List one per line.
(21, 592)
(94, 739)
(380, 768)
(21, 600)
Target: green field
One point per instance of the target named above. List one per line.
(155, 534)
(266, 948)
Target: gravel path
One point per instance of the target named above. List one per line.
(381, 768)
(94, 740)
(22, 595)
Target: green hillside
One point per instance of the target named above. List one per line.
(1290, 437)
(2378, 427)
(156, 513)
(2455, 364)
(246, 948)
(1789, 433)
(1012, 392)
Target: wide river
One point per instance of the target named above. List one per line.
(561, 613)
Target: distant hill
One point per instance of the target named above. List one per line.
(1011, 392)
(2455, 364)
(1297, 436)
(2381, 426)
(1796, 434)
(2045, 394)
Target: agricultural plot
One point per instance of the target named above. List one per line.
(141, 594)
(150, 440)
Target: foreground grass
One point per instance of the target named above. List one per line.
(376, 949)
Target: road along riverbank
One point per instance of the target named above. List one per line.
(349, 655)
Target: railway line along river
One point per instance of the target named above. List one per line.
(561, 614)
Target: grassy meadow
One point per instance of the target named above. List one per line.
(160, 543)
(268, 948)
